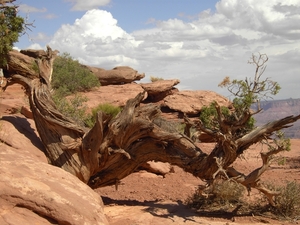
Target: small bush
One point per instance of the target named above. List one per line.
(288, 202)
(153, 79)
(73, 108)
(69, 76)
(220, 193)
(106, 108)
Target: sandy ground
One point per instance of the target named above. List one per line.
(144, 198)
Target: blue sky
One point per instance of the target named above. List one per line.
(198, 42)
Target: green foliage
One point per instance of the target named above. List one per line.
(106, 108)
(73, 108)
(209, 115)
(246, 92)
(35, 67)
(153, 79)
(11, 28)
(281, 161)
(288, 202)
(220, 193)
(280, 141)
(69, 76)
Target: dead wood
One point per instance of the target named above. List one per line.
(116, 147)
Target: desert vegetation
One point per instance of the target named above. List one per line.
(153, 78)
(119, 141)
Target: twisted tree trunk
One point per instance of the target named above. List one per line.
(116, 147)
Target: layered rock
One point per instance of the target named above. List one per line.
(158, 90)
(191, 102)
(118, 75)
(116, 95)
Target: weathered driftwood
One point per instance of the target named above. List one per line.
(116, 147)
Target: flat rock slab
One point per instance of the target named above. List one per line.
(116, 95)
(118, 75)
(159, 86)
(191, 102)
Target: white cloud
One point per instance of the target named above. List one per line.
(35, 46)
(200, 52)
(96, 39)
(84, 5)
(30, 9)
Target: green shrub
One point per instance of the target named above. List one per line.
(288, 202)
(73, 108)
(69, 76)
(106, 108)
(12, 27)
(209, 117)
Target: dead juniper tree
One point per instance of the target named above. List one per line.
(116, 147)
(233, 129)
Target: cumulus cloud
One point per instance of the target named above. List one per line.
(96, 39)
(83, 5)
(200, 51)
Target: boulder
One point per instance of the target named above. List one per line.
(118, 75)
(159, 168)
(34, 192)
(158, 90)
(191, 102)
(116, 95)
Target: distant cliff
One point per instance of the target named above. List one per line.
(277, 109)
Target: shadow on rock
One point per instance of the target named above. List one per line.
(24, 127)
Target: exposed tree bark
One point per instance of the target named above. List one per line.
(116, 147)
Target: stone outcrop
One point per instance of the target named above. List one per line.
(158, 90)
(191, 102)
(34, 192)
(118, 75)
(159, 168)
(116, 95)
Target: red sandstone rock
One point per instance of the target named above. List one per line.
(160, 89)
(159, 168)
(33, 192)
(191, 102)
(118, 75)
(114, 94)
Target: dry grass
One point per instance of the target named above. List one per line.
(221, 193)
